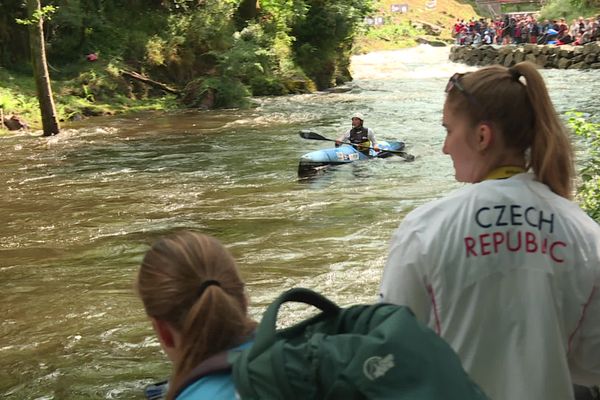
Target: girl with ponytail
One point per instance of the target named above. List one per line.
(192, 291)
(507, 268)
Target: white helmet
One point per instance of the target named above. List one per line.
(359, 116)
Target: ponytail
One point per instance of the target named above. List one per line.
(192, 282)
(551, 156)
(216, 322)
(516, 102)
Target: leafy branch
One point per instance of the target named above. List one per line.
(45, 13)
(588, 192)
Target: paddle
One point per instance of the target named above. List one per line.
(305, 134)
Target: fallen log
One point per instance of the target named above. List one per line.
(148, 81)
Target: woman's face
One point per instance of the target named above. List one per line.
(461, 146)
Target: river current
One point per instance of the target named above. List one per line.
(78, 210)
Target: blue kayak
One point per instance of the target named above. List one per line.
(345, 154)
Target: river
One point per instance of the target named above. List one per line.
(78, 210)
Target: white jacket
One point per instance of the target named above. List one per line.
(508, 273)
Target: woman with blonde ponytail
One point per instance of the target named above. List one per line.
(193, 293)
(507, 268)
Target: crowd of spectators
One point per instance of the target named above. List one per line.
(526, 28)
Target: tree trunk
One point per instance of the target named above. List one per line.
(247, 11)
(40, 70)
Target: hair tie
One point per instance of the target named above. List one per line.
(206, 284)
(514, 74)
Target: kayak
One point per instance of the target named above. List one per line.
(345, 154)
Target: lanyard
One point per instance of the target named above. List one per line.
(504, 172)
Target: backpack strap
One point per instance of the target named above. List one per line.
(266, 336)
(266, 332)
(213, 365)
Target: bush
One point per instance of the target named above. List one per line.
(389, 36)
(215, 92)
(588, 192)
(323, 56)
(568, 9)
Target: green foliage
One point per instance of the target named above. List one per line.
(45, 13)
(588, 193)
(190, 5)
(568, 9)
(94, 92)
(218, 50)
(519, 7)
(208, 28)
(324, 35)
(397, 35)
(64, 38)
(217, 92)
(230, 93)
(155, 51)
(253, 60)
(93, 85)
(586, 4)
(186, 48)
(284, 13)
(106, 27)
(10, 101)
(17, 95)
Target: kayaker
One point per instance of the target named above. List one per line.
(363, 138)
(193, 293)
(507, 268)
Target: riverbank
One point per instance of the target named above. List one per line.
(84, 88)
(545, 56)
(74, 98)
(98, 91)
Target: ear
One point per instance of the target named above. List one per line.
(485, 136)
(164, 332)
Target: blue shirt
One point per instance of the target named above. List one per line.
(214, 386)
(218, 386)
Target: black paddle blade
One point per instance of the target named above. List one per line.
(384, 154)
(305, 134)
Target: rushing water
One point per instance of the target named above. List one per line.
(78, 210)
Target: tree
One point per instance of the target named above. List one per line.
(247, 11)
(13, 39)
(40, 66)
(588, 192)
(325, 57)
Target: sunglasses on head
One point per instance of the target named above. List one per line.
(454, 82)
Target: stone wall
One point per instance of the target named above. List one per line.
(548, 56)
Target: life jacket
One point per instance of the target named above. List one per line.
(360, 136)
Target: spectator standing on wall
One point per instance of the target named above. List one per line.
(574, 28)
(535, 31)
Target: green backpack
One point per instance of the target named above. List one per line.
(377, 351)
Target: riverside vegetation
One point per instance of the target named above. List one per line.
(165, 54)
